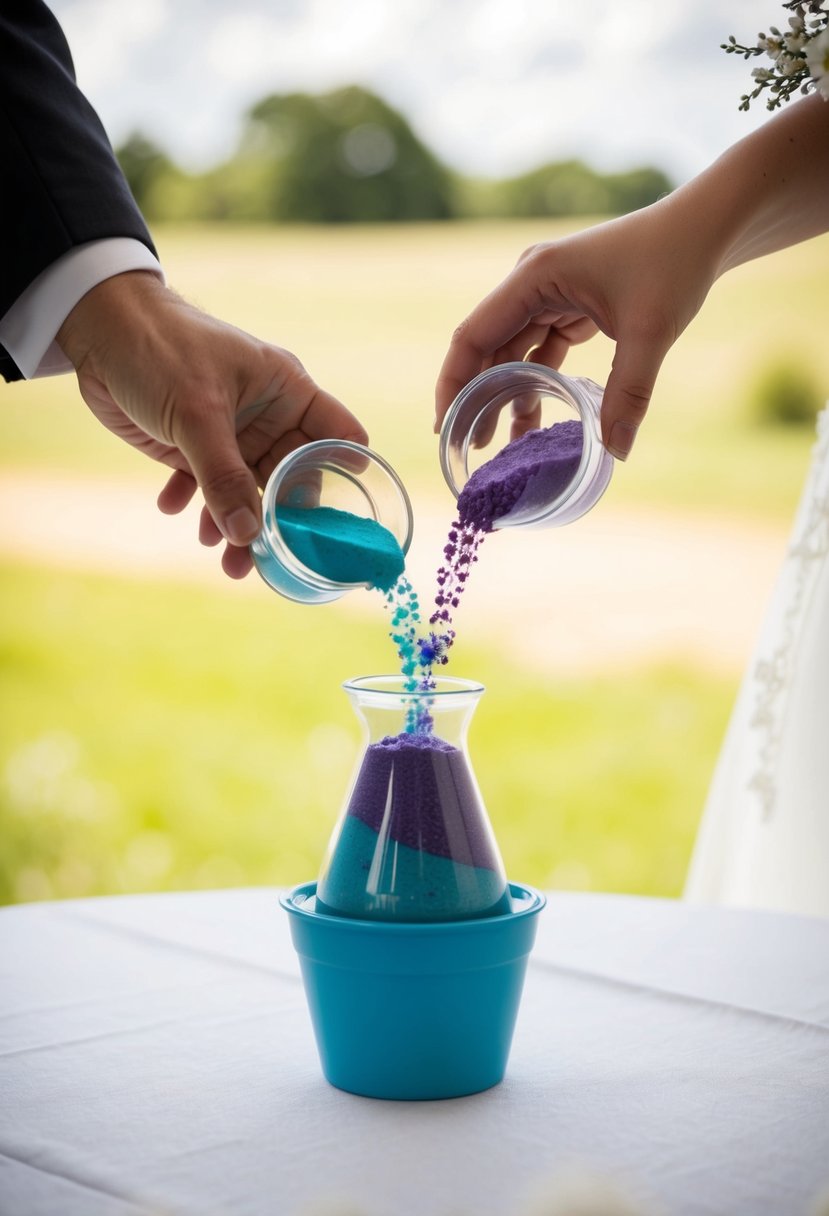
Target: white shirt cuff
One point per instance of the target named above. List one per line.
(28, 329)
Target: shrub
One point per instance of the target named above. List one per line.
(786, 394)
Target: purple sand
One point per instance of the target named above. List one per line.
(530, 471)
(419, 789)
(415, 789)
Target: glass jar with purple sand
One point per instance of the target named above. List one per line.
(521, 447)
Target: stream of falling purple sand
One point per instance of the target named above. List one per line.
(415, 842)
(529, 472)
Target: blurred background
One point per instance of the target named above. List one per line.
(348, 181)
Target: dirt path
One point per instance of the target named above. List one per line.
(620, 586)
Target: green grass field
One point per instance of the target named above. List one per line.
(157, 735)
(163, 736)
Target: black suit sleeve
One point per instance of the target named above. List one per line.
(60, 183)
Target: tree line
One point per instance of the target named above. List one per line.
(348, 157)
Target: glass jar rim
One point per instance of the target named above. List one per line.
(445, 687)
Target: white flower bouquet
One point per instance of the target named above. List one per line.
(799, 55)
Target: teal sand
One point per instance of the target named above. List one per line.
(342, 547)
(314, 554)
(400, 883)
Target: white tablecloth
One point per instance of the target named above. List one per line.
(156, 1057)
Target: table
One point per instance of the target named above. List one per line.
(156, 1059)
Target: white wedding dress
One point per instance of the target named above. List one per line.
(764, 837)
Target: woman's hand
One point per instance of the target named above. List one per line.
(628, 278)
(642, 278)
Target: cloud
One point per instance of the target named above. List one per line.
(105, 37)
(494, 86)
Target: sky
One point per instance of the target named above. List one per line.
(494, 87)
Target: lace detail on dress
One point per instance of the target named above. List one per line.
(773, 674)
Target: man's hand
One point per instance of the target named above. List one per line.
(216, 405)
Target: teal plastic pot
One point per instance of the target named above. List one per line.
(413, 1010)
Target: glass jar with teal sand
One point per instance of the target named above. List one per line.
(414, 841)
(336, 517)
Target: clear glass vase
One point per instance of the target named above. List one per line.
(414, 842)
